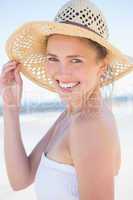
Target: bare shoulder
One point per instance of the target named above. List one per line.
(87, 124)
(93, 151)
(94, 135)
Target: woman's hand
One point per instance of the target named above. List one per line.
(11, 84)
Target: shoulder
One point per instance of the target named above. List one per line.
(92, 152)
(101, 126)
(94, 137)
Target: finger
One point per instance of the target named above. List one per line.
(12, 61)
(18, 76)
(8, 70)
(7, 65)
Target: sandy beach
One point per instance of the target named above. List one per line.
(34, 126)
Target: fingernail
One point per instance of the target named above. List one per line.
(13, 61)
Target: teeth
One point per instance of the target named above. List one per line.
(67, 85)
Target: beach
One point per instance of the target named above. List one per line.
(35, 125)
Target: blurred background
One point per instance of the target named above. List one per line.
(40, 108)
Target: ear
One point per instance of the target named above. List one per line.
(103, 64)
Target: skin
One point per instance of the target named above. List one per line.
(89, 158)
(85, 68)
(81, 136)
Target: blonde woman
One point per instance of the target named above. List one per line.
(79, 156)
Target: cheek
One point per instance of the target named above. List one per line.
(88, 78)
(51, 69)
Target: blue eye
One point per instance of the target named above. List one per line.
(77, 61)
(51, 59)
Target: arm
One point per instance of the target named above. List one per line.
(92, 151)
(16, 159)
(20, 168)
(15, 156)
(35, 155)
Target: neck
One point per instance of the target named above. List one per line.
(87, 103)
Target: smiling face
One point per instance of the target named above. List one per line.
(73, 66)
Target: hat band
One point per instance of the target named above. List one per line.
(80, 25)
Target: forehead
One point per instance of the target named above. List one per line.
(64, 38)
(70, 43)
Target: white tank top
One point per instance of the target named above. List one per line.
(55, 181)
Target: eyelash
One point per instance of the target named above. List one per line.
(49, 59)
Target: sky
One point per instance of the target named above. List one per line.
(119, 16)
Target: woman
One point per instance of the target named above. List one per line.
(80, 154)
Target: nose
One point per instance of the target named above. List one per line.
(65, 69)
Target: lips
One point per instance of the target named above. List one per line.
(65, 81)
(67, 89)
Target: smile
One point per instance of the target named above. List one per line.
(67, 87)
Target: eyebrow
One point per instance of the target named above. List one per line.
(70, 56)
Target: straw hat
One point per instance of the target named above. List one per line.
(75, 18)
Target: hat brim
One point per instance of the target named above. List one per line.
(28, 46)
